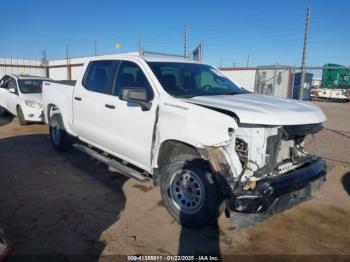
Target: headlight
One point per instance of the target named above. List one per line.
(33, 104)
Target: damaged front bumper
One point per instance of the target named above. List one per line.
(275, 194)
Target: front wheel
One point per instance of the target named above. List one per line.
(190, 191)
(60, 139)
(2, 111)
(20, 116)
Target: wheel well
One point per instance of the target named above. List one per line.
(50, 109)
(171, 148)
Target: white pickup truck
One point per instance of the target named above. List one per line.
(208, 144)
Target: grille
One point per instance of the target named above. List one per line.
(301, 130)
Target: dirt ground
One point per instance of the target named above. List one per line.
(68, 204)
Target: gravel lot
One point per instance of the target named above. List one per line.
(68, 204)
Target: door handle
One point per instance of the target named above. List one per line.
(77, 98)
(110, 106)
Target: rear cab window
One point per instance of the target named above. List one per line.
(99, 76)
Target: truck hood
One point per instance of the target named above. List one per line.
(33, 97)
(264, 110)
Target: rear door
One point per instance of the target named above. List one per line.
(90, 102)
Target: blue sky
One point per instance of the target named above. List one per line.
(268, 31)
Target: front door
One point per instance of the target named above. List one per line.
(130, 128)
(12, 99)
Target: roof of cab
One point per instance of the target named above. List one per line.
(148, 57)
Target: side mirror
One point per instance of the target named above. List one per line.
(12, 90)
(136, 95)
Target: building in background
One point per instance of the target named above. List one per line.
(243, 77)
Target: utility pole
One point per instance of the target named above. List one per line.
(69, 68)
(248, 58)
(220, 66)
(45, 63)
(44, 57)
(95, 47)
(306, 35)
(67, 54)
(139, 45)
(185, 41)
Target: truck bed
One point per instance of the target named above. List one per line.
(61, 96)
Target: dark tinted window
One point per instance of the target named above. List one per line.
(189, 80)
(30, 85)
(12, 84)
(99, 76)
(131, 75)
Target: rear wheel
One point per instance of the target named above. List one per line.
(20, 116)
(60, 139)
(190, 191)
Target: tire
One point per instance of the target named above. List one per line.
(197, 203)
(20, 116)
(60, 139)
(2, 111)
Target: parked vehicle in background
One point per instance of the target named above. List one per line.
(21, 96)
(335, 84)
(208, 144)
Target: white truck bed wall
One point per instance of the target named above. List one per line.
(61, 96)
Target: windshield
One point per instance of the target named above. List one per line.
(30, 85)
(189, 80)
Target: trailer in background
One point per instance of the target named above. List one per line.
(337, 78)
(335, 84)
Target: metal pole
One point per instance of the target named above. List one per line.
(45, 63)
(293, 83)
(69, 71)
(139, 46)
(306, 35)
(67, 54)
(248, 58)
(185, 41)
(95, 47)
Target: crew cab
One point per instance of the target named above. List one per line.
(208, 144)
(21, 96)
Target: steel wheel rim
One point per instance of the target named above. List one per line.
(187, 192)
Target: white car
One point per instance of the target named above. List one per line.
(21, 96)
(207, 143)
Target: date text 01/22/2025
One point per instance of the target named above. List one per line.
(172, 258)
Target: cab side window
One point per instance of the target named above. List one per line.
(99, 76)
(130, 75)
(12, 84)
(3, 82)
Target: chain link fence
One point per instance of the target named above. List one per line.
(320, 83)
(330, 82)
